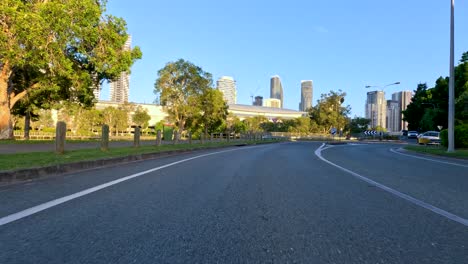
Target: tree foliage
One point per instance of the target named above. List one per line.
(180, 87)
(64, 47)
(116, 118)
(429, 106)
(357, 125)
(141, 117)
(329, 112)
(254, 124)
(213, 111)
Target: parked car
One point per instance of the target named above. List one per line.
(429, 137)
(412, 134)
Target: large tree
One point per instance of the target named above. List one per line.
(213, 111)
(180, 86)
(329, 112)
(68, 45)
(141, 117)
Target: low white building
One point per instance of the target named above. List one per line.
(245, 111)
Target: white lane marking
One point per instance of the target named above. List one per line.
(434, 160)
(30, 211)
(410, 199)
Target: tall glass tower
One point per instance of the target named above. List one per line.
(227, 85)
(120, 87)
(306, 95)
(276, 89)
(376, 109)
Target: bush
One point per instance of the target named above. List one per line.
(461, 136)
(444, 137)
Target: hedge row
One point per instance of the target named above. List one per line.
(461, 136)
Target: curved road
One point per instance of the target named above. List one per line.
(277, 203)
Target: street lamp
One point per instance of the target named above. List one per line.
(451, 110)
(382, 90)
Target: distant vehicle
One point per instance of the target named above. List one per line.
(429, 137)
(412, 134)
(404, 133)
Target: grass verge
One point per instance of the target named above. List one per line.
(42, 159)
(439, 150)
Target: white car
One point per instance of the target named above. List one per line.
(412, 134)
(429, 137)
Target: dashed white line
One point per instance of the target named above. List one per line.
(33, 210)
(409, 198)
(429, 159)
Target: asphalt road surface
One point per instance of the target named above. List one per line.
(276, 203)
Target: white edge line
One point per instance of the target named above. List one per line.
(410, 199)
(434, 160)
(36, 209)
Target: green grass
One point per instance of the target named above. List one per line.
(42, 159)
(439, 150)
(50, 141)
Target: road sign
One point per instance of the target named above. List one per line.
(370, 132)
(333, 131)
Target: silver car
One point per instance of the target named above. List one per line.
(412, 134)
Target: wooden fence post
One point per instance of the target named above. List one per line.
(136, 137)
(60, 135)
(158, 138)
(105, 138)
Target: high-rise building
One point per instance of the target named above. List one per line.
(404, 99)
(306, 95)
(96, 87)
(227, 85)
(393, 116)
(276, 89)
(272, 102)
(119, 88)
(376, 109)
(258, 101)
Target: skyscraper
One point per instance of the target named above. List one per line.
(393, 116)
(276, 89)
(227, 85)
(306, 95)
(376, 108)
(404, 99)
(258, 101)
(120, 87)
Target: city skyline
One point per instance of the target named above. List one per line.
(303, 47)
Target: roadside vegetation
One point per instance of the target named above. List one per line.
(439, 151)
(429, 106)
(43, 159)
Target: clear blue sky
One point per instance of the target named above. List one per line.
(339, 44)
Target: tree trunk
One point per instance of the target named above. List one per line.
(6, 127)
(27, 125)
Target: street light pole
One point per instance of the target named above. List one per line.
(451, 110)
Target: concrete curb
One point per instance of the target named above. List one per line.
(21, 175)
